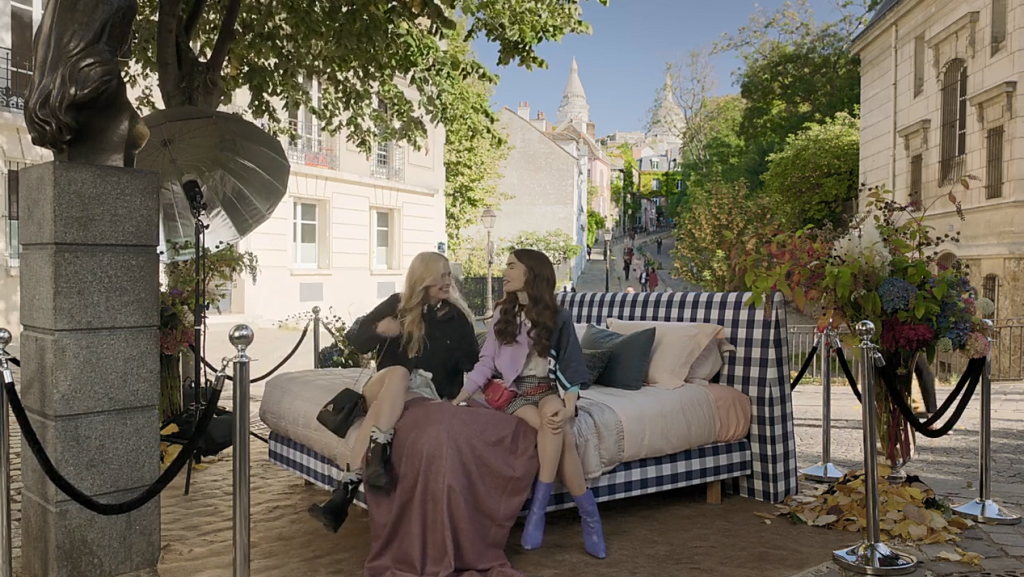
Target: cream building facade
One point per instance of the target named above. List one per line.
(940, 100)
(342, 237)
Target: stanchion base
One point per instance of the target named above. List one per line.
(874, 559)
(822, 473)
(897, 477)
(988, 512)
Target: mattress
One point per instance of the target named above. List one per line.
(613, 426)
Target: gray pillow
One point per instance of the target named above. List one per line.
(596, 362)
(481, 338)
(630, 358)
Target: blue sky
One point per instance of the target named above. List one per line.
(622, 63)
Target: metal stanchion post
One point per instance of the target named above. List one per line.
(984, 509)
(871, 556)
(6, 554)
(825, 471)
(241, 337)
(316, 337)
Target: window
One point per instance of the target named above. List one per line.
(382, 237)
(919, 64)
(994, 166)
(988, 290)
(656, 184)
(954, 122)
(998, 25)
(916, 176)
(13, 195)
(305, 235)
(679, 185)
(655, 164)
(589, 178)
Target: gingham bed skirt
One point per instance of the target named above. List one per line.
(715, 462)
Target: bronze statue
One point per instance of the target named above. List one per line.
(77, 104)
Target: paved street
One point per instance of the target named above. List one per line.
(593, 277)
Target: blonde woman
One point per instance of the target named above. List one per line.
(424, 341)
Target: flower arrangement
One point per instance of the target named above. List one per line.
(884, 268)
(176, 322)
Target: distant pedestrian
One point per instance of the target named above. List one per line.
(588, 252)
(644, 276)
(652, 280)
(659, 245)
(625, 269)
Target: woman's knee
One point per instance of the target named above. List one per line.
(389, 381)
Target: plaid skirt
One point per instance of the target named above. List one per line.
(531, 391)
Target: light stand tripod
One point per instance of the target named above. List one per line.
(194, 193)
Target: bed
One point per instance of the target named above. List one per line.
(624, 454)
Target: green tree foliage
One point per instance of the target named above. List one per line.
(816, 173)
(624, 192)
(556, 244)
(474, 149)
(796, 71)
(724, 152)
(362, 51)
(716, 227)
(595, 224)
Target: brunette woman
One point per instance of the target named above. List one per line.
(424, 343)
(532, 344)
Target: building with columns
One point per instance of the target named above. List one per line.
(940, 100)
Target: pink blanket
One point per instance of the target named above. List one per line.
(463, 474)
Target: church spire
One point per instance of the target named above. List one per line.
(574, 100)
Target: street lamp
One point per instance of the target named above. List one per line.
(489, 216)
(607, 260)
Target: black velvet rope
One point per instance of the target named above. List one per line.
(14, 361)
(803, 369)
(973, 374)
(108, 509)
(271, 372)
(841, 357)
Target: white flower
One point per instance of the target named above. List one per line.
(864, 243)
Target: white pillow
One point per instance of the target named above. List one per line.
(677, 348)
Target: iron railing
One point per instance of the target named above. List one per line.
(1007, 354)
(388, 161)
(311, 151)
(474, 290)
(14, 81)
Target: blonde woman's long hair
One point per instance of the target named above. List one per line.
(424, 272)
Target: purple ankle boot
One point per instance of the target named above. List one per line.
(533, 531)
(593, 533)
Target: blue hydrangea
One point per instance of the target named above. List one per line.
(896, 294)
(958, 333)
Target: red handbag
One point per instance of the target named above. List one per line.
(497, 395)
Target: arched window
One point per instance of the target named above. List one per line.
(954, 121)
(946, 260)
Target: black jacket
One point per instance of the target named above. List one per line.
(450, 348)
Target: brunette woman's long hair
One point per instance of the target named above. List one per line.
(540, 309)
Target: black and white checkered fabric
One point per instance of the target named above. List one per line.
(759, 367)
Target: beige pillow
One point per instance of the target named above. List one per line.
(677, 346)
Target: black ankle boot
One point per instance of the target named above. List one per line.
(378, 460)
(334, 512)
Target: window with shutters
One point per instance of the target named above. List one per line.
(954, 122)
(12, 197)
(916, 177)
(994, 163)
(999, 15)
(919, 65)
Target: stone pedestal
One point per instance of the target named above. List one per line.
(90, 308)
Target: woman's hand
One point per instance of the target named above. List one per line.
(462, 397)
(555, 419)
(389, 328)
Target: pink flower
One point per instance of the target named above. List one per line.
(977, 346)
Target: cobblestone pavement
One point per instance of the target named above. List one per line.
(948, 464)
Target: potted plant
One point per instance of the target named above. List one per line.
(883, 268)
(222, 265)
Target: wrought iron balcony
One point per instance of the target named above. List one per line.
(388, 161)
(311, 151)
(14, 81)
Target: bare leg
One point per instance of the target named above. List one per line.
(385, 395)
(549, 445)
(570, 468)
